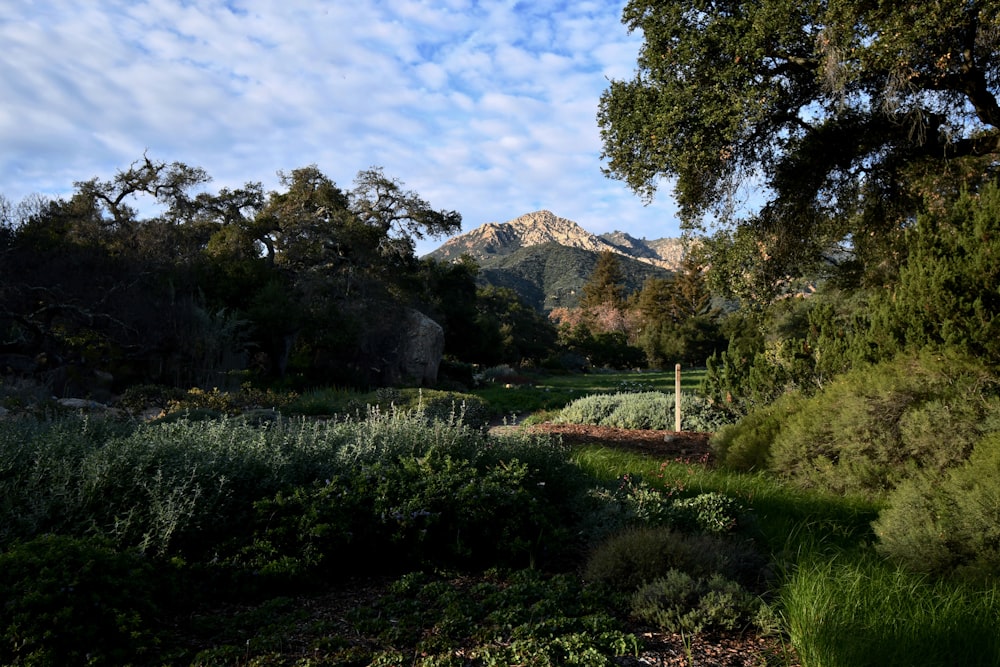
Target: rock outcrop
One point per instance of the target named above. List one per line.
(421, 349)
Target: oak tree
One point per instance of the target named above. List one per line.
(844, 114)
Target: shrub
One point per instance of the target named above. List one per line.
(652, 410)
(74, 601)
(946, 293)
(633, 502)
(638, 556)
(870, 429)
(949, 523)
(677, 602)
(499, 373)
(40, 466)
(706, 513)
(138, 397)
(521, 618)
(866, 431)
(476, 503)
(455, 407)
(326, 401)
(746, 445)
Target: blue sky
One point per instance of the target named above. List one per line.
(487, 108)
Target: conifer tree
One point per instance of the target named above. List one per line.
(606, 284)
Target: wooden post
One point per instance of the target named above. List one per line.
(677, 397)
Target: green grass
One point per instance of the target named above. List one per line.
(857, 610)
(786, 519)
(545, 393)
(842, 605)
(553, 392)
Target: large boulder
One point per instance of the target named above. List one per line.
(421, 349)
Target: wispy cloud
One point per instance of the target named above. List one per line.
(487, 108)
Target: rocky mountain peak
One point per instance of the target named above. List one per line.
(494, 240)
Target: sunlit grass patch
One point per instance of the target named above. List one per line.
(857, 610)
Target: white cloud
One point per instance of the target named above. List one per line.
(485, 108)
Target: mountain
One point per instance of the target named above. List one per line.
(498, 239)
(551, 275)
(547, 259)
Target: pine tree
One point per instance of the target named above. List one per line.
(606, 284)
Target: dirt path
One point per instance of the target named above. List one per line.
(687, 446)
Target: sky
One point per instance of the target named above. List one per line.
(484, 107)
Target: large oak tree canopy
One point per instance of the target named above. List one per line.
(834, 107)
(150, 274)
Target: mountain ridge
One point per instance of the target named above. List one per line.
(492, 240)
(547, 259)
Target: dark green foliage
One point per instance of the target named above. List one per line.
(746, 444)
(691, 341)
(309, 530)
(948, 523)
(215, 284)
(677, 602)
(413, 513)
(606, 284)
(948, 291)
(604, 349)
(523, 617)
(450, 293)
(799, 343)
(138, 397)
(636, 556)
(944, 298)
(679, 325)
(69, 601)
(871, 428)
(509, 330)
(706, 513)
(845, 113)
(468, 409)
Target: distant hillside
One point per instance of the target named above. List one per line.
(547, 259)
(551, 275)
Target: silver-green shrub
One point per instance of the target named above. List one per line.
(649, 410)
(678, 602)
(185, 487)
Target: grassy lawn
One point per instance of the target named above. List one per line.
(552, 392)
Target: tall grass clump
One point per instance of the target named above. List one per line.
(857, 610)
